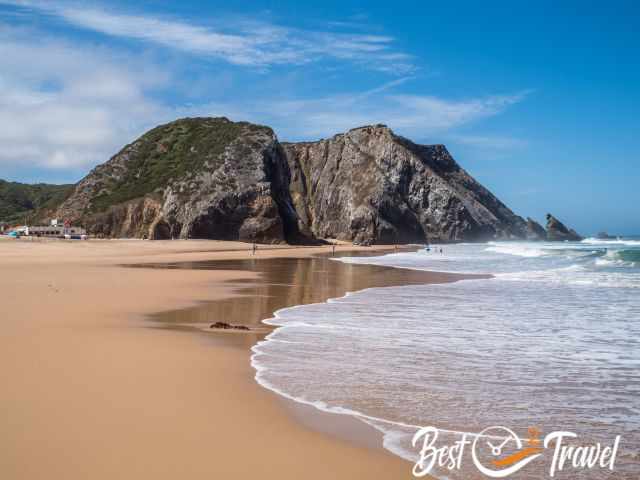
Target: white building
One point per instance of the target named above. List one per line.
(53, 231)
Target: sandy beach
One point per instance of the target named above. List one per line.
(112, 372)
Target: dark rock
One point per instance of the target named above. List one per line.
(213, 178)
(372, 186)
(535, 231)
(557, 231)
(228, 326)
(192, 178)
(604, 236)
(221, 325)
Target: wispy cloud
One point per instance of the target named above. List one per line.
(420, 117)
(491, 142)
(439, 113)
(78, 104)
(247, 43)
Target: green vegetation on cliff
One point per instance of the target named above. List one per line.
(19, 200)
(167, 153)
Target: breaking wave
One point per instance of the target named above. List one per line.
(552, 340)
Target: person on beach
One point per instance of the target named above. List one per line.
(254, 249)
(333, 249)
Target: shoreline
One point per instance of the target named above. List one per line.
(345, 426)
(83, 368)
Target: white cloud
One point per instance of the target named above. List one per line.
(414, 116)
(490, 142)
(248, 43)
(72, 106)
(438, 113)
(64, 107)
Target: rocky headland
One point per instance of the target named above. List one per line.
(218, 179)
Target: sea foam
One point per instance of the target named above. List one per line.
(553, 340)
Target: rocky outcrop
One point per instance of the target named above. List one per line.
(228, 326)
(370, 185)
(557, 231)
(213, 178)
(535, 231)
(140, 218)
(192, 178)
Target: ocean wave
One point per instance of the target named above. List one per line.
(618, 241)
(396, 435)
(518, 250)
(530, 250)
(577, 275)
(380, 362)
(561, 263)
(620, 258)
(393, 433)
(630, 256)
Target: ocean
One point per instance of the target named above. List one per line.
(552, 341)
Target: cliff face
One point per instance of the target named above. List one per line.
(535, 231)
(557, 231)
(212, 178)
(193, 178)
(369, 185)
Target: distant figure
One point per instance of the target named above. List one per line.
(255, 247)
(333, 249)
(441, 250)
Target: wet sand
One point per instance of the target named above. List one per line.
(275, 283)
(91, 388)
(285, 282)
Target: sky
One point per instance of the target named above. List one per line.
(537, 100)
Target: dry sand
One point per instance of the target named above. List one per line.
(91, 390)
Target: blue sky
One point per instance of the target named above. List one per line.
(538, 100)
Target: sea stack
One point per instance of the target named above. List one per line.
(557, 231)
(535, 231)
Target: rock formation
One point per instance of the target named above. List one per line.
(192, 178)
(228, 326)
(370, 185)
(557, 231)
(213, 178)
(535, 231)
